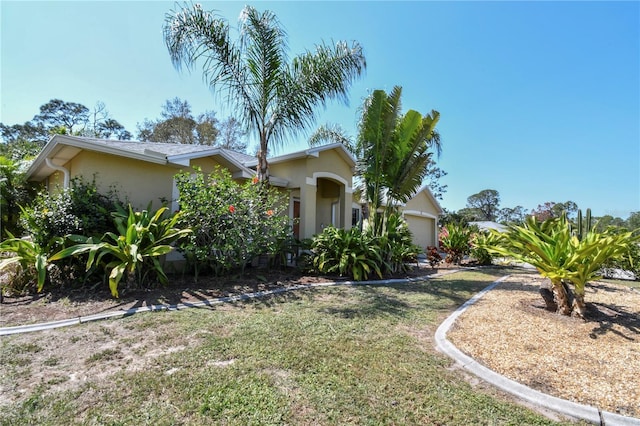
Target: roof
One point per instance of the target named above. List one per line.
(485, 225)
(309, 152)
(62, 148)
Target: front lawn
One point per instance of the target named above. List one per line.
(339, 355)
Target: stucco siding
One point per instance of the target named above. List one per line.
(137, 182)
(422, 203)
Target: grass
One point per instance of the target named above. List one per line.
(627, 283)
(333, 356)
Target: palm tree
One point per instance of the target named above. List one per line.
(273, 97)
(395, 152)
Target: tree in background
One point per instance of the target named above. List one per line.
(274, 98)
(633, 222)
(551, 209)
(178, 125)
(485, 204)
(512, 215)
(61, 117)
(101, 125)
(231, 135)
(58, 113)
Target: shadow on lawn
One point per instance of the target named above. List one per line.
(398, 299)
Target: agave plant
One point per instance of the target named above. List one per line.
(142, 238)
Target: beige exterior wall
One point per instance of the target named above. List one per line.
(323, 186)
(421, 214)
(206, 164)
(137, 182)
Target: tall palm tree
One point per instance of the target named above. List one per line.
(395, 151)
(274, 98)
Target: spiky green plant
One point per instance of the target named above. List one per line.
(142, 238)
(351, 253)
(559, 255)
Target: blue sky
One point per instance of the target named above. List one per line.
(538, 100)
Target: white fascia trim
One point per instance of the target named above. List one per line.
(57, 140)
(311, 152)
(183, 159)
(419, 213)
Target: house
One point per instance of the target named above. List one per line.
(421, 214)
(318, 180)
(488, 225)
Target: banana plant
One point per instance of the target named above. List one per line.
(142, 238)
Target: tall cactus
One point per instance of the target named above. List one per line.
(581, 230)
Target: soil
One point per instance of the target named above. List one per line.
(59, 305)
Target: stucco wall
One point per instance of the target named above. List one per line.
(421, 215)
(137, 182)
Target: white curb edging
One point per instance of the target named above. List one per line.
(569, 408)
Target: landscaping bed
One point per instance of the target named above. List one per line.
(594, 362)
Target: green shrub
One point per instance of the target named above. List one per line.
(629, 261)
(479, 241)
(346, 253)
(78, 210)
(232, 223)
(396, 245)
(455, 241)
(31, 260)
(134, 250)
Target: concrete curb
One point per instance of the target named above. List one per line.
(5, 331)
(562, 406)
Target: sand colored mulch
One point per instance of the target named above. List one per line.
(594, 362)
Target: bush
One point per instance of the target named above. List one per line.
(479, 242)
(433, 256)
(131, 253)
(346, 253)
(629, 261)
(396, 245)
(232, 223)
(454, 240)
(78, 210)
